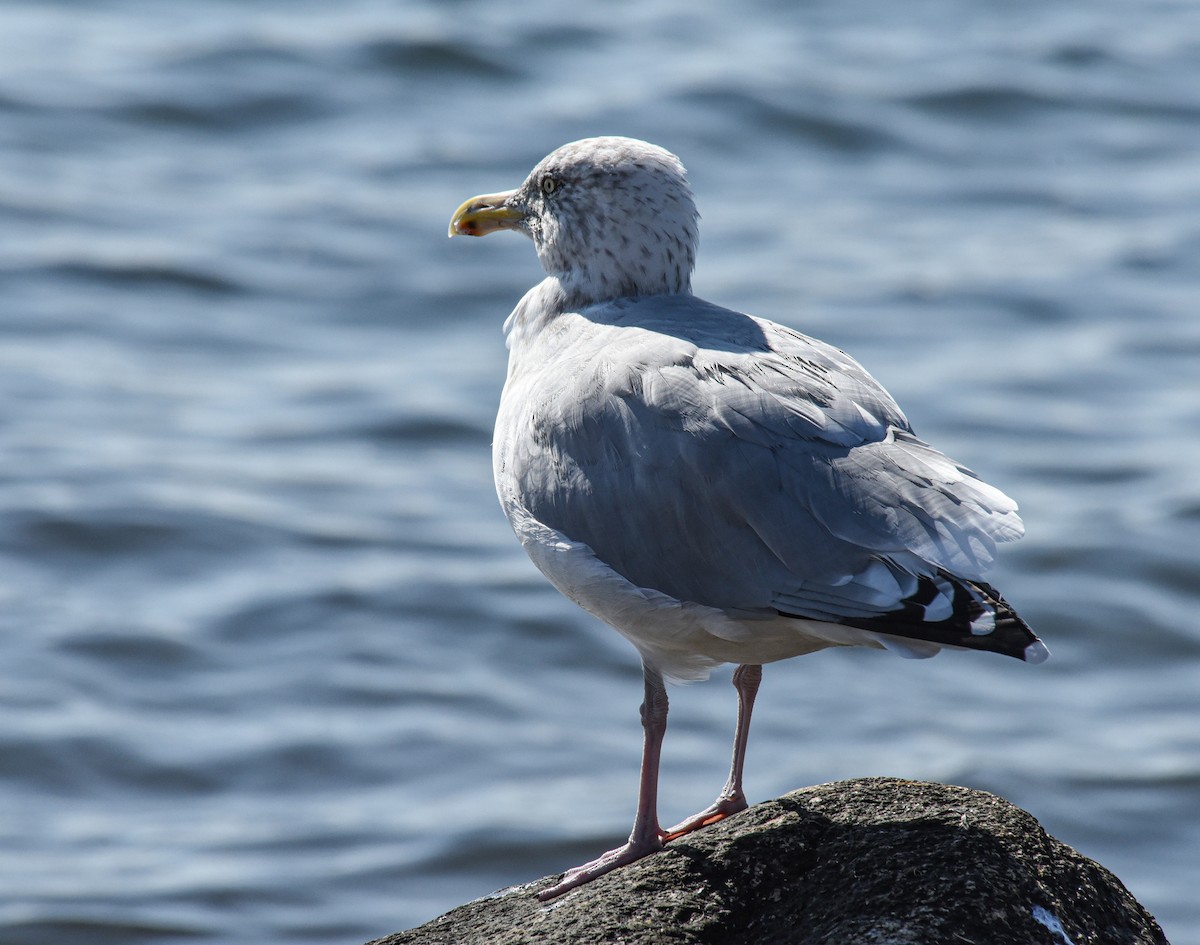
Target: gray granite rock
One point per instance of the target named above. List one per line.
(875, 861)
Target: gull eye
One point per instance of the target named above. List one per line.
(549, 185)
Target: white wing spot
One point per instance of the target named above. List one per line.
(1037, 652)
(984, 624)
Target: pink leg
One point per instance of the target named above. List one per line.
(731, 799)
(646, 836)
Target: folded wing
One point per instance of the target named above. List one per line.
(761, 473)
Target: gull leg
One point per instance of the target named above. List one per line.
(731, 799)
(646, 836)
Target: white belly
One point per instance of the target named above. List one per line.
(680, 639)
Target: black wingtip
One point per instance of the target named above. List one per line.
(980, 619)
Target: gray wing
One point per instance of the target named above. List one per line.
(736, 463)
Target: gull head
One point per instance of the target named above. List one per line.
(610, 217)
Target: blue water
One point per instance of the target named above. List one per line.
(273, 668)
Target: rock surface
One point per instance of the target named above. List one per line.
(875, 861)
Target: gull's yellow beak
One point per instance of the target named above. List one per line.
(485, 214)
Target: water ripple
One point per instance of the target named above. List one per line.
(820, 126)
(443, 58)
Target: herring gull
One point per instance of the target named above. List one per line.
(716, 487)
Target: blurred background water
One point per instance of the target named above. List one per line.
(272, 666)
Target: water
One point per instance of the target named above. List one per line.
(274, 668)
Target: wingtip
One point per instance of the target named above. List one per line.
(1036, 652)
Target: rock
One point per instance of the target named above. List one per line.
(874, 861)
